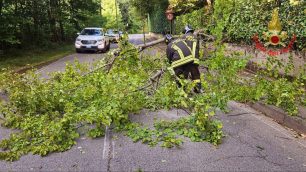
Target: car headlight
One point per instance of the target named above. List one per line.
(100, 40)
(78, 40)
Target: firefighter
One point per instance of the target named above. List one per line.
(182, 61)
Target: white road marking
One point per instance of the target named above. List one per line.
(113, 147)
(106, 143)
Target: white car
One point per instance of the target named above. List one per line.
(114, 35)
(92, 38)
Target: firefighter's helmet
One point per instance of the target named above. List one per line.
(188, 29)
(168, 38)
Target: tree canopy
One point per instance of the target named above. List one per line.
(39, 21)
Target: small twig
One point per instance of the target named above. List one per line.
(189, 113)
(156, 75)
(96, 69)
(111, 64)
(157, 83)
(152, 80)
(163, 71)
(144, 87)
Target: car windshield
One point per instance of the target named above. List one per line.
(118, 32)
(94, 32)
(110, 32)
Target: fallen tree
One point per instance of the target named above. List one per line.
(48, 113)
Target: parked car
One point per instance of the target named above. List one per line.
(114, 35)
(92, 38)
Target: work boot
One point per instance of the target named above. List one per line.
(198, 88)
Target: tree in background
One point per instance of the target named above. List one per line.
(128, 19)
(186, 6)
(124, 7)
(155, 11)
(158, 20)
(109, 12)
(40, 22)
(143, 8)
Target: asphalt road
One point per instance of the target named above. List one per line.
(253, 142)
(86, 57)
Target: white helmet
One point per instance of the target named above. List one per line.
(187, 29)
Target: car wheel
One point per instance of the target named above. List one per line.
(78, 50)
(108, 46)
(105, 48)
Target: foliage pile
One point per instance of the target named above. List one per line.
(48, 112)
(267, 85)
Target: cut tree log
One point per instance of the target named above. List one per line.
(141, 47)
(157, 75)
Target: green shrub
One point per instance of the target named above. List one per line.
(250, 17)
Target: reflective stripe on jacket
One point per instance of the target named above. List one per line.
(193, 44)
(179, 53)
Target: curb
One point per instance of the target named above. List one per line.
(41, 64)
(297, 123)
(36, 66)
(254, 67)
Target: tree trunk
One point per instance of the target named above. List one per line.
(62, 30)
(1, 6)
(60, 20)
(16, 24)
(73, 14)
(143, 31)
(52, 21)
(35, 21)
(100, 8)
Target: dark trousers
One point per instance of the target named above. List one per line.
(183, 71)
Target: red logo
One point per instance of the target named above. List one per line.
(275, 36)
(270, 52)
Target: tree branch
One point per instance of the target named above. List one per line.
(111, 64)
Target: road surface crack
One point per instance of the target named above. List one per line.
(259, 151)
(110, 150)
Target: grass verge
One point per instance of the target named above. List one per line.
(21, 59)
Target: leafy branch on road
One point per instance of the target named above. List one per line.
(48, 113)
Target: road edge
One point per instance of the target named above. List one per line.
(297, 123)
(41, 64)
